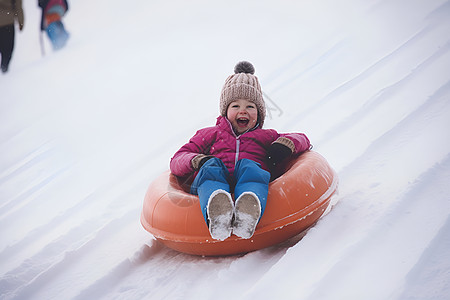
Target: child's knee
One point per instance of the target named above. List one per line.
(247, 169)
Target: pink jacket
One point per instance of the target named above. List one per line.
(221, 141)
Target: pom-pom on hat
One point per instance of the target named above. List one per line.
(243, 85)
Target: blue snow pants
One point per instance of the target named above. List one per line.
(248, 177)
(57, 34)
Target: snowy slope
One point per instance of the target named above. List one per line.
(83, 132)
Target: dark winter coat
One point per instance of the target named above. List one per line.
(221, 141)
(10, 11)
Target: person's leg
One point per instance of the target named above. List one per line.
(250, 177)
(211, 185)
(57, 34)
(251, 190)
(6, 45)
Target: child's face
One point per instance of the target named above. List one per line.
(242, 114)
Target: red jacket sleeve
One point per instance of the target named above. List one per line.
(200, 143)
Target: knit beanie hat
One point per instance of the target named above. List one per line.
(243, 85)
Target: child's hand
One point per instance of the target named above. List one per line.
(199, 160)
(277, 153)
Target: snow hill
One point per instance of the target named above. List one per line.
(84, 131)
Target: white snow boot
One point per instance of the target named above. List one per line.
(220, 211)
(247, 214)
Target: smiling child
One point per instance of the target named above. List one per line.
(236, 156)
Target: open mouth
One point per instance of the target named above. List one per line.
(242, 122)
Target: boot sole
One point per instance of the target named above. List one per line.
(220, 214)
(247, 213)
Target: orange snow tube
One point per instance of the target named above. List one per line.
(296, 200)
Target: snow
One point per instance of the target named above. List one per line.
(83, 132)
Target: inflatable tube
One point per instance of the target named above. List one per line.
(296, 200)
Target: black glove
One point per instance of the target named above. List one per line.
(277, 153)
(203, 160)
(199, 160)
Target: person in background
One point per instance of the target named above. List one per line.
(10, 11)
(51, 21)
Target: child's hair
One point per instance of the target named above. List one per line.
(243, 85)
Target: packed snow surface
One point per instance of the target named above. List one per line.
(84, 130)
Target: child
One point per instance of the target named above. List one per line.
(236, 154)
(51, 21)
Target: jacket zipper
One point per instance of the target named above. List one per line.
(238, 142)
